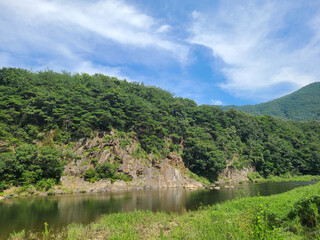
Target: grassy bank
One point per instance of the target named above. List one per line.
(283, 216)
(258, 179)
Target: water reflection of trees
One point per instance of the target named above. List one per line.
(28, 213)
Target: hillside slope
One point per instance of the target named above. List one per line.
(302, 105)
(44, 115)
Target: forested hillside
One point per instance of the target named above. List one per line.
(302, 105)
(42, 112)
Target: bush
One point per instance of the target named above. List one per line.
(46, 184)
(121, 176)
(3, 186)
(29, 177)
(197, 178)
(307, 211)
(90, 175)
(26, 189)
(253, 176)
(106, 170)
(30, 163)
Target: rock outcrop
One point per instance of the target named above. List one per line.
(233, 174)
(146, 170)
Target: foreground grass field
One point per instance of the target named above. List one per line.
(291, 215)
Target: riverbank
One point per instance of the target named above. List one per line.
(303, 178)
(273, 217)
(76, 185)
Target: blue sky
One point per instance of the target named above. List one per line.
(214, 52)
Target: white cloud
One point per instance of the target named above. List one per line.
(74, 64)
(164, 28)
(88, 67)
(58, 31)
(195, 14)
(216, 102)
(245, 35)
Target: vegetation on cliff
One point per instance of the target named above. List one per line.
(290, 215)
(302, 105)
(55, 109)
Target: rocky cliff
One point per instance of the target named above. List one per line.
(233, 174)
(146, 170)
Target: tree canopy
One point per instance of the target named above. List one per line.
(35, 104)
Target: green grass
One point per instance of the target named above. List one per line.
(287, 179)
(243, 218)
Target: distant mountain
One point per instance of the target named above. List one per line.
(302, 105)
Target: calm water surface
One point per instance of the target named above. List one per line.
(58, 211)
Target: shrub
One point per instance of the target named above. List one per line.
(253, 176)
(29, 177)
(197, 178)
(25, 189)
(121, 176)
(106, 170)
(90, 175)
(307, 211)
(30, 163)
(46, 184)
(3, 186)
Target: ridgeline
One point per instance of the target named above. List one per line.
(302, 105)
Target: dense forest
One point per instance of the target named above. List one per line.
(41, 112)
(302, 105)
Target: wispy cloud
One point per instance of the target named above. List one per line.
(88, 67)
(216, 102)
(71, 32)
(260, 49)
(262, 57)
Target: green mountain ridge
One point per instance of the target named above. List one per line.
(301, 105)
(44, 113)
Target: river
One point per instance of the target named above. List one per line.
(59, 211)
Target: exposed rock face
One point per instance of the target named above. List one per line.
(236, 175)
(146, 171)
